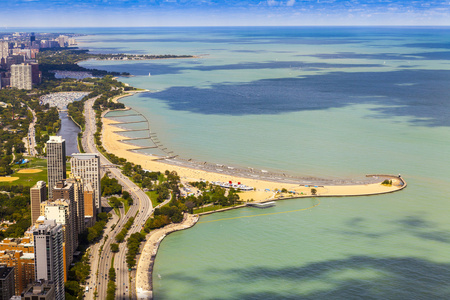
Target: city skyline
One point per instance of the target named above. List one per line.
(143, 13)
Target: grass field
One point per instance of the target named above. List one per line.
(30, 173)
(27, 178)
(153, 195)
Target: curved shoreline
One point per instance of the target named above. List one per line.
(144, 270)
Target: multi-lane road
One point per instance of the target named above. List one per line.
(141, 210)
(31, 138)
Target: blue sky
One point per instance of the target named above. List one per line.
(119, 13)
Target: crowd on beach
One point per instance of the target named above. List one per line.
(61, 100)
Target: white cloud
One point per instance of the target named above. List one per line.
(272, 2)
(290, 3)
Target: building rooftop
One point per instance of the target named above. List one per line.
(84, 155)
(56, 139)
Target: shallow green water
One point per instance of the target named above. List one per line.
(382, 114)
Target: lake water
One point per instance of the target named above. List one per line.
(327, 102)
(69, 131)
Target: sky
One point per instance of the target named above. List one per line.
(143, 13)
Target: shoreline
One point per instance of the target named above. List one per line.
(264, 183)
(145, 264)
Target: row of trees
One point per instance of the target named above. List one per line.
(77, 275)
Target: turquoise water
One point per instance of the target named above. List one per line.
(327, 102)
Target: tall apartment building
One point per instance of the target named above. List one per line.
(87, 167)
(48, 252)
(38, 194)
(78, 188)
(23, 264)
(65, 190)
(89, 205)
(61, 211)
(56, 162)
(40, 290)
(6, 282)
(4, 50)
(21, 76)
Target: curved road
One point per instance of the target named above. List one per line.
(141, 209)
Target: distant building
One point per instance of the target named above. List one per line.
(4, 50)
(38, 194)
(6, 282)
(63, 40)
(40, 290)
(87, 167)
(49, 256)
(21, 77)
(56, 162)
(23, 264)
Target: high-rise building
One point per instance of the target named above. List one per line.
(61, 211)
(23, 264)
(21, 76)
(89, 205)
(56, 162)
(40, 290)
(78, 188)
(87, 167)
(65, 190)
(38, 194)
(6, 282)
(4, 50)
(48, 252)
(36, 75)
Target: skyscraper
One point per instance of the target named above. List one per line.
(48, 252)
(56, 162)
(21, 76)
(87, 167)
(78, 188)
(62, 212)
(4, 50)
(38, 194)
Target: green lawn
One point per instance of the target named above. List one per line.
(125, 204)
(116, 210)
(31, 178)
(153, 195)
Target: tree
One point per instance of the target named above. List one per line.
(115, 247)
(313, 191)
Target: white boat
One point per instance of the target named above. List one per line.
(262, 204)
(149, 74)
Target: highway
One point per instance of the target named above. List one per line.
(141, 209)
(31, 138)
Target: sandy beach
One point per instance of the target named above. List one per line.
(263, 189)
